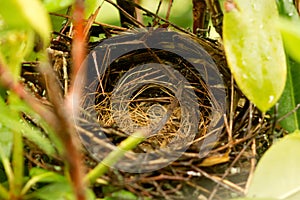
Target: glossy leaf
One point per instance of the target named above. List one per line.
(254, 50)
(277, 174)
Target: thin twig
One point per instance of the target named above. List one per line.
(133, 20)
(169, 9)
(253, 165)
(289, 113)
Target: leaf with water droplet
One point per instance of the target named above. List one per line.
(254, 51)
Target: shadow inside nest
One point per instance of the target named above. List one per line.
(114, 105)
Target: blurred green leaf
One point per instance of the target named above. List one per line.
(57, 21)
(57, 191)
(51, 176)
(38, 175)
(277, 174)
(121, 195)
(10, 119)
(254, 51)
(53, 191)
(291, 36)
(6, 141)
(55, 5)
(15, 45)
(25, 15)
(91, 6)
(3, 94)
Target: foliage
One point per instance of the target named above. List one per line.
(18, 32)
(289, 27)
(255, 54)
(277, 173)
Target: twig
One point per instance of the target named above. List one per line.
(8, 82)
(218, 180)
(169, 9)
(253, 164)
(98, 23)
(289, 113)
(132, 19)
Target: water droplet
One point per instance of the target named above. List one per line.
(271, 98)
(245, 76)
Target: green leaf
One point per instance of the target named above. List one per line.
(277, 174)
(6, 141)
(287, 9)
(55, 5)
(57, 191)
(51, 176)
(290, 31)
(121, 195)
(42, 176)
(15, 45)
(57, 21)
(290, 98)
(53, 191)
(26, 14)
(10, 119)
(254, 50)
(3, 93)
(291, 94)
(91, 6)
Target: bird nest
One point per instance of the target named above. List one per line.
(202, 132)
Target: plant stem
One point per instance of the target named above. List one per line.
(18, 167)
(3, 193)
(34, 180)
(126, 145)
